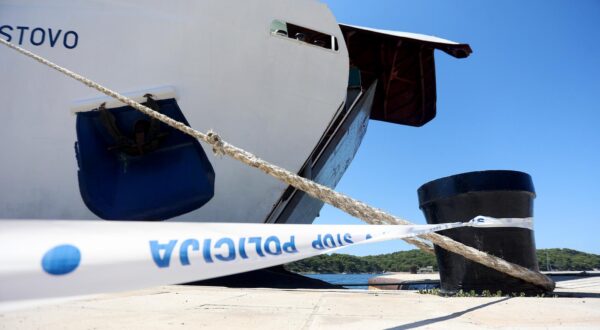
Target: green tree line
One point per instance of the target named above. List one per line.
(404, 261)
(567, 259)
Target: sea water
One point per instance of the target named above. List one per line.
(341, 279)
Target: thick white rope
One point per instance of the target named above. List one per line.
(349, 205)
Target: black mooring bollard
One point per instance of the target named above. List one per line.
(460, 198)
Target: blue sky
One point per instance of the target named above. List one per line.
(527, 99)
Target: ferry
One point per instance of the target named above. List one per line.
(279, 78)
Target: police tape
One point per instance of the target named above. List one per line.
(49, 259)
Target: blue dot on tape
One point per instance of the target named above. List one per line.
(61, 259)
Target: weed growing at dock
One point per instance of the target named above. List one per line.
(484, 293)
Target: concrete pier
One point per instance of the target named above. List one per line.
(194, 307)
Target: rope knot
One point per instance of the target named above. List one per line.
(217, 143)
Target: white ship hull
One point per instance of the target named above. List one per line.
(223, 63)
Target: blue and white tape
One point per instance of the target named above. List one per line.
(46, 259)
(489, 222)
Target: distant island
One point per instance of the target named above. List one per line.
(407, 261)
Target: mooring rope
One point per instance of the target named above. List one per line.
(343, 202)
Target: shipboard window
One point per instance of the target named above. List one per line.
(297, 32)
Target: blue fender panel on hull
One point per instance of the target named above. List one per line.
(173, 178)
